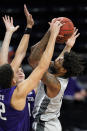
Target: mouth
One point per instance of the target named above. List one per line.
(21, 76)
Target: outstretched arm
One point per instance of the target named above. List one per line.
(49, 79)
(23, 45)
(20, 93)
(30, 83)
(10, 29)
(38, 49)
(70, 43)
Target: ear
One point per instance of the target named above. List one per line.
(13, 82)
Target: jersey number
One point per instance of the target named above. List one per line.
(29, 109)
(2, 110)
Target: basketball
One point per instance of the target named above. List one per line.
(66, 30)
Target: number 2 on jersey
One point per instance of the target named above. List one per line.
(2, 110)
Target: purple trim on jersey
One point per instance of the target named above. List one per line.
(72, 87)
(31, 99)
(11, 119)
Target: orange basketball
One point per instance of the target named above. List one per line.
(66, 30)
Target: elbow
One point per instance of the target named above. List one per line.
(32, 63)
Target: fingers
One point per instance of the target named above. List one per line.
(75, 31)
(16, 28)
(77, 35)
(3, 19)
(7, 19)
(59, 23)
(54, 20)
(26, 10)
(12, 20)
(57, 19)
(27, 14)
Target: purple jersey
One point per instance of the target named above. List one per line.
(31, 99)
(11, 119)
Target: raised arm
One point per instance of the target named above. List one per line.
(23, 45)
(10, 29)
(70, 43)
(31, 82)
(38, 49)
(50, 79)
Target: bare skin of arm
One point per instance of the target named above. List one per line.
(70, 43)
(20, 93)
(10, 29)
(52, 83)
(23, 45)
(49, 79)
(38, 49)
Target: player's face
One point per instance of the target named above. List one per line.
(19, 76)
(58, 65)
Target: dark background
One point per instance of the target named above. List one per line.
(73, 114)
(44, 11)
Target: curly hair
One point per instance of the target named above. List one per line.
(6, 76)
(73, 63)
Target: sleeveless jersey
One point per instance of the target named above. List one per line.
(31, 99)
(11, 119)
(46, 108)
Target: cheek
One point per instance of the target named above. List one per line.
(57, 65)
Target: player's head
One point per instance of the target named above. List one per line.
(19, 76)
(70, 65)
(6, 76)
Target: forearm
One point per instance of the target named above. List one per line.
(66, 49)
(5, 47)
(38, 49)
(47, 55)
(43, 65)
(70, 43)
(21, 52)
(23, 45)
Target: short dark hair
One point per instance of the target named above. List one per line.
(6, 76)
(73, 63)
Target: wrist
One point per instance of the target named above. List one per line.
(28, 31)
(68, 48)
(9, 32)
(29, 26)
(53, 34)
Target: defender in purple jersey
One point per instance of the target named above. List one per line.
(13, 101)
(12, 119)
(31, 100)
(20, 76)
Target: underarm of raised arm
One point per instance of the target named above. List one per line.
(51, 81)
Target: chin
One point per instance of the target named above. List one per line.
(20, 80)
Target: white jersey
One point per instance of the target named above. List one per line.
(46, 108)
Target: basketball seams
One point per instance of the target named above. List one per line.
(66, 30)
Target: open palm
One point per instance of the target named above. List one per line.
(71, 41)
(9, 24)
